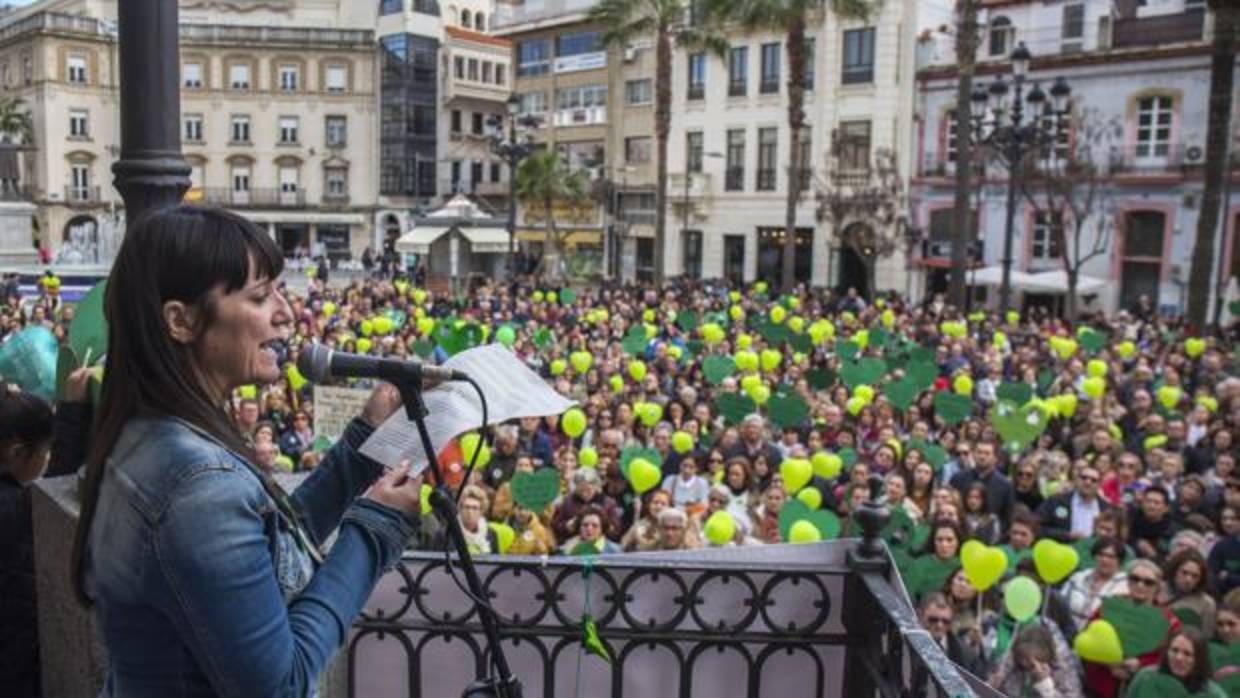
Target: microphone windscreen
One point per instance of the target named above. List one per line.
(314, 362)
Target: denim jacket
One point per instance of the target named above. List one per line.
(200, 586)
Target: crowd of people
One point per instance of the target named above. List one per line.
(1112, 438)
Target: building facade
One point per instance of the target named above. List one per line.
(562, 76)
(277, 111)
(1139, 74)
(477, 80)
(730, 134)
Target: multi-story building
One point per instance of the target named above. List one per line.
(728, 149)
(562, 76)
(477, 81)
(277, 114)
(1139, 74)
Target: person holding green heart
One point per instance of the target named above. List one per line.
(1183, 670)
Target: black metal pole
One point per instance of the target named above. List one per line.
(151, 172)
(512, 196)
(1015, 156)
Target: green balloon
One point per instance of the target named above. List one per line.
(506, 335)
(1022, 598)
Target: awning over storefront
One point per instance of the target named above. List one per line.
(577, 237)
(418, 240)
(993, 276)
(1056, 282)
(487, 240)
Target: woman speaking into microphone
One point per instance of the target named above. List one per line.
(207, 578)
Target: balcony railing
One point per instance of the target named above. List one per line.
(1156, 31)
(766, 179)
(734, 179)
(256, 198)
(697, 91)
(738, 88)
(56, 21)
(83, 194)
(585, 116)
(937, 164)
(820, 620)
(1151, 158)
(299, 36)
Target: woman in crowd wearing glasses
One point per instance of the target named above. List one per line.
(1144, 581)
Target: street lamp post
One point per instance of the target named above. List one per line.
(504, 142)
(999, 123)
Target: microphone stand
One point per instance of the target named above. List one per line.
(505, 685)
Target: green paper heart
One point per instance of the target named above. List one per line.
(687, 321)
(1045, 378)
(848, 350)
(1092, 340)
(827, 523)
(952, 408)
(1234, 307)
(1188, 617)
(867, 371)
(848, 456)
(584, 549)
(1153, 683)
(922, 373)
(775, 334)
(902, 393)
(423, 348)
(1015, 393)
(717, 368)
(635, 341)
(1141, 629)
(735, 407)
(787, 410)
(899, 529)
(321, 443)
(820, 378)
(934, 454)
(879, 339)
(568, 296)
(542, 338)
(1018, 426)
(1224, 655)
(534, 491)
(88, 333)
(801, 343)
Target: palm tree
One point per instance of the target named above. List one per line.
(15, 119)
(1222, 75)
(625, 20)
(792, 18)
(544, 180)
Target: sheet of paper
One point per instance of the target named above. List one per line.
(511, 389)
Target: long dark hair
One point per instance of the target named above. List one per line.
(25, 420)
(1200, 675)
(173, 254)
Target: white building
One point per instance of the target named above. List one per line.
(730, 131)
(1142, 72)
(278, 108)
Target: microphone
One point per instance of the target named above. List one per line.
(320, 364)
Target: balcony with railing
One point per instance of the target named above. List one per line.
(59, 22)
(274, 35)
(1153, 158)
(828, 619)
(734, 179)
(934, 164)
(1129, 32)
(583, 116)
(254, 198)
(83, 195)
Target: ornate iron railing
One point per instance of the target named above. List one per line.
(805, 620)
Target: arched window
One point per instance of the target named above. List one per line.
(465, 19)
(1002, 34)
(480, 22)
